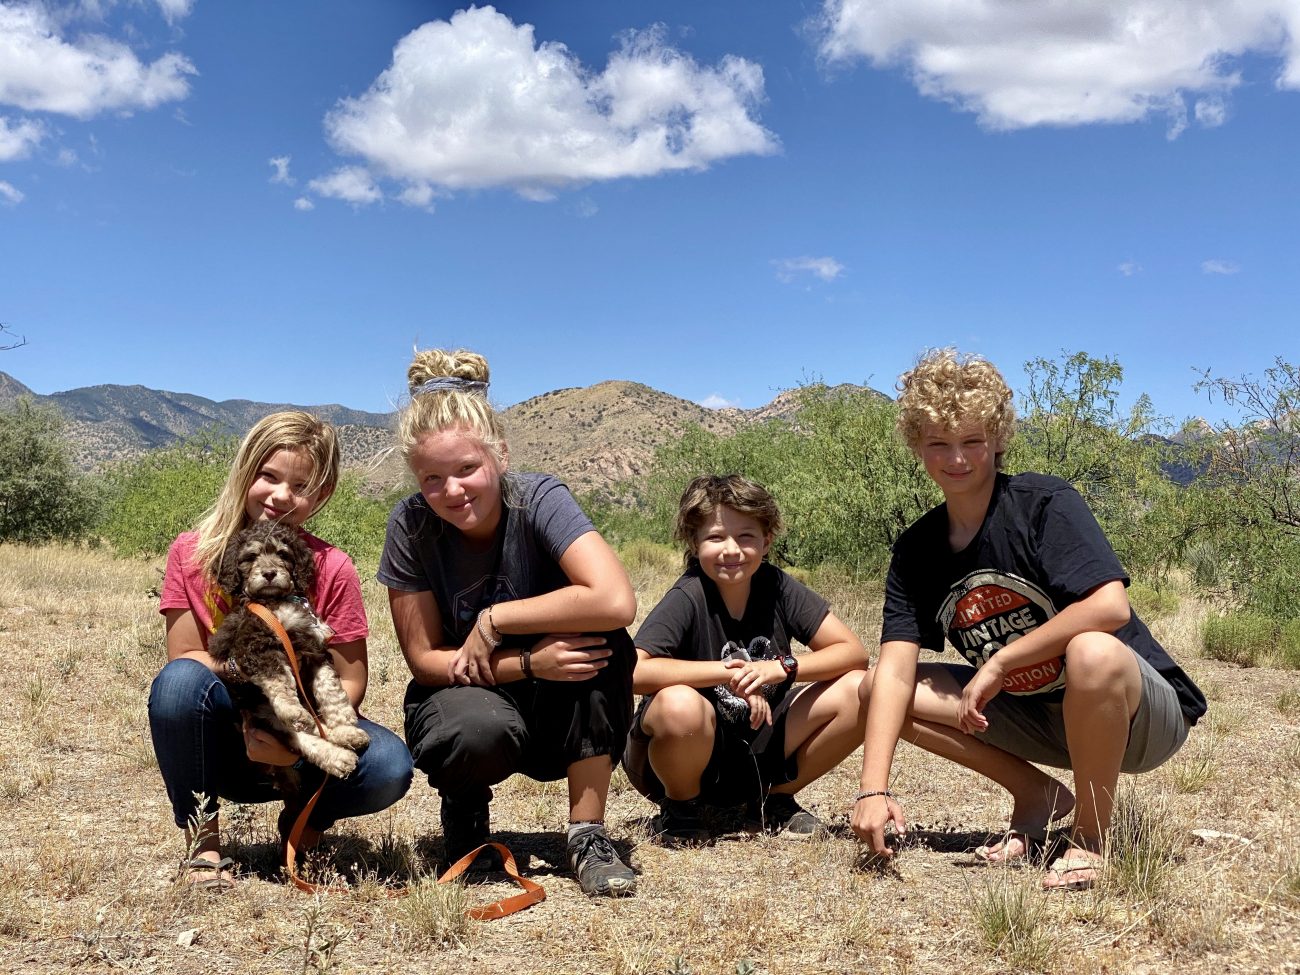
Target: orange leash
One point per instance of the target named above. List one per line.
(533, 892)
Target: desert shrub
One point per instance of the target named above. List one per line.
(41, 496)
(1151, 601)
(1240, 637)
(157, 496)
(1288, 645)
(651, 556)
(355, 522)
(163, 493)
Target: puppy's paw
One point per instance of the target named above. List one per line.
(349, 736)
(339, 762)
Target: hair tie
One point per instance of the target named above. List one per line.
(440, 384)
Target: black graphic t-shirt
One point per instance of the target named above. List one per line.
(422, 553)
(1039, 550)
(692, 622)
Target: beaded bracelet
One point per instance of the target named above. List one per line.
(872, 792)
(487, 637)
(230, 672)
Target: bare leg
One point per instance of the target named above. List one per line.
(682, 725)
(1103, 688)
(823, 725)
(1037, 797)
(588, 788)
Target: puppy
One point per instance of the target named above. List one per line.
(269, 563)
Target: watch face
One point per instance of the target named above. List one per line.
(789, 664)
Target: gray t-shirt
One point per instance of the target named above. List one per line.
(422, 553)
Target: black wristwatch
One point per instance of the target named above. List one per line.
(791, 667)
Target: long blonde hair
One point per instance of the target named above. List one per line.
(290, 430)
(457, 401)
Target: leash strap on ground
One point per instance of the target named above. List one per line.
(533, 892)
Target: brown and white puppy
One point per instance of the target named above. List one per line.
(269, 563)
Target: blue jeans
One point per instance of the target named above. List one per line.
(200, 747)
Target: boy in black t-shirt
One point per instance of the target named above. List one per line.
(723, 723)
(1019, 577)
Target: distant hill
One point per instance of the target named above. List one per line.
(590, 436)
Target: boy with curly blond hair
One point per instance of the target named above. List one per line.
(1016, 573)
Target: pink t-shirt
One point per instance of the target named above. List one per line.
(336, 598)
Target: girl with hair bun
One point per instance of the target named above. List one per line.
(510, 609)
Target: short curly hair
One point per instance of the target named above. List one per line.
(952, 390)
(709, 492)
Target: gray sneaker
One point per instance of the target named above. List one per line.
(784, 816)
(596, 864)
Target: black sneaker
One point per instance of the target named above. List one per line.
(599, 871)
(679, 822)
(784, 816)
(465, 828)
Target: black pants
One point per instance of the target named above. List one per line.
(466, 739)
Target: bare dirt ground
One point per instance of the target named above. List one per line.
(88, 853)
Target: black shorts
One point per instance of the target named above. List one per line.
(744, 765)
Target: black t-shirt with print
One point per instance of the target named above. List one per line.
(1039, 550)
(692, 622)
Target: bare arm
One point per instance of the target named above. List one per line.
(892, 691)
(599, 595)
(352, 663)
(184, 638)
(1104, 610)
(655, 673)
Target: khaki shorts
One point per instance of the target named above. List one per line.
(1035, 730)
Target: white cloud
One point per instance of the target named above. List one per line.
(10, 195)
(417, 195)
(586, 208)
(1218, 266)
(825, 268)
(1129, 268)
(1018, 63)
(303, 204)
(42, 72)
(19, 138)
(281, 166)
(1211, 112)
(476, 101)
(175, 10)
(716, 401)
(352, 184)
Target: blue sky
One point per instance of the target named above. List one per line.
(277, 201)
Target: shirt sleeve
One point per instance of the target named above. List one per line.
(339, 601)
(399, 563)
(558, 521)
(900, 619)
(805, 610)
(667, 631)
(174, 595)
(1072, 549)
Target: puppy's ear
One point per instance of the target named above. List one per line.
(304, 565)
(228, 577)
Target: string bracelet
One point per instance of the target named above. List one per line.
(872, 792)
(483, 631)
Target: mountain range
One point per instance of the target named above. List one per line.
(591, 436)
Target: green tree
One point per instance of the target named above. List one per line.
(41, 495)
(1246, 506)
(1071, 425)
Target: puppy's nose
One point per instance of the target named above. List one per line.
(269, 574)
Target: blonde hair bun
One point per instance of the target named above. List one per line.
(436, 363)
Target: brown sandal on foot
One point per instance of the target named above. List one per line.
(216, 882)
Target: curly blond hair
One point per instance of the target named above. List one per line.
(953, 390)
(465, 408)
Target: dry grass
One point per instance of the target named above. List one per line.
(88, 854)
